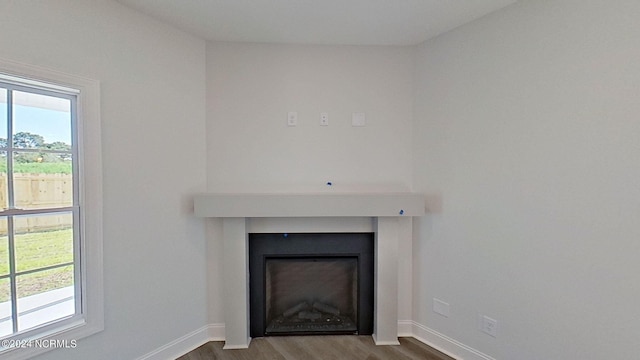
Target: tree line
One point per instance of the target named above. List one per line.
(27, 140)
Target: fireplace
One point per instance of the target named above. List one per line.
(311, 295)
(385, 214)
(311, 283)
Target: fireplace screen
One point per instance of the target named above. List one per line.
(311, 295)
(311, 283)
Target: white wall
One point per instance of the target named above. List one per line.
(525, 134)
(526, 130)
(250, 89)
(153, 123)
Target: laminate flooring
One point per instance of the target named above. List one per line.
(317, 348)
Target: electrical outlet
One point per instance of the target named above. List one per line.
(440, 307)
(489, 326)
(324, 119)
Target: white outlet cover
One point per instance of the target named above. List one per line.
(440, 307)
(358, 119)
(324, 119)
(489, 326)
(292, 118)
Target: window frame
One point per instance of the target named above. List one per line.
(89, 178)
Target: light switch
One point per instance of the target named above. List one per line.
(292, 118)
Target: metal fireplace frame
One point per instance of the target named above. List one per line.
(263, 246)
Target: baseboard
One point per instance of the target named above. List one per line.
(216, 332)
(406, 328)
(447, 345)
(385, 342)
(180, 346)
(237, 347)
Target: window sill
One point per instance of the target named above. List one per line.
(62, 337)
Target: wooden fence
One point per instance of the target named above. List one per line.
(37, 191)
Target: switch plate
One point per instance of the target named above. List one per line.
(292, 118)
(489, 325)
(358, 119)
(440, 307)
(324, 119)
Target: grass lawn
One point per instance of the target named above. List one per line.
(37, 250)
(63, 167)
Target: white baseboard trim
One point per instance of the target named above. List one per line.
(384, 342)
(180, 346)
(216, 332)
(406, 328)
(447, 345)
(237, 346)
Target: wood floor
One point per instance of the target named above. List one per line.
(317, 348)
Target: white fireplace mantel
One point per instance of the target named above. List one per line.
(309, 205)
(237, 210)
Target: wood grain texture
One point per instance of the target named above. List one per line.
(317, 348)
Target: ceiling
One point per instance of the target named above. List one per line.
(331, 22)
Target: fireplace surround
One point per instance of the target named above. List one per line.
(242, 214)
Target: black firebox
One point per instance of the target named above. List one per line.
(311, 283)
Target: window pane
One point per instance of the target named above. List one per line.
(4, 202)
(40, 266)
(41, 122)
(4, 249)
(42, 180)
(3, 144)
(42, 241)
(45, 296)
(3, 118)
(6, 323)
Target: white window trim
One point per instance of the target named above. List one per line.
(90, 201)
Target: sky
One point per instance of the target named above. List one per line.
(34, 117)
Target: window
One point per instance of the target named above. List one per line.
(50, 210)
